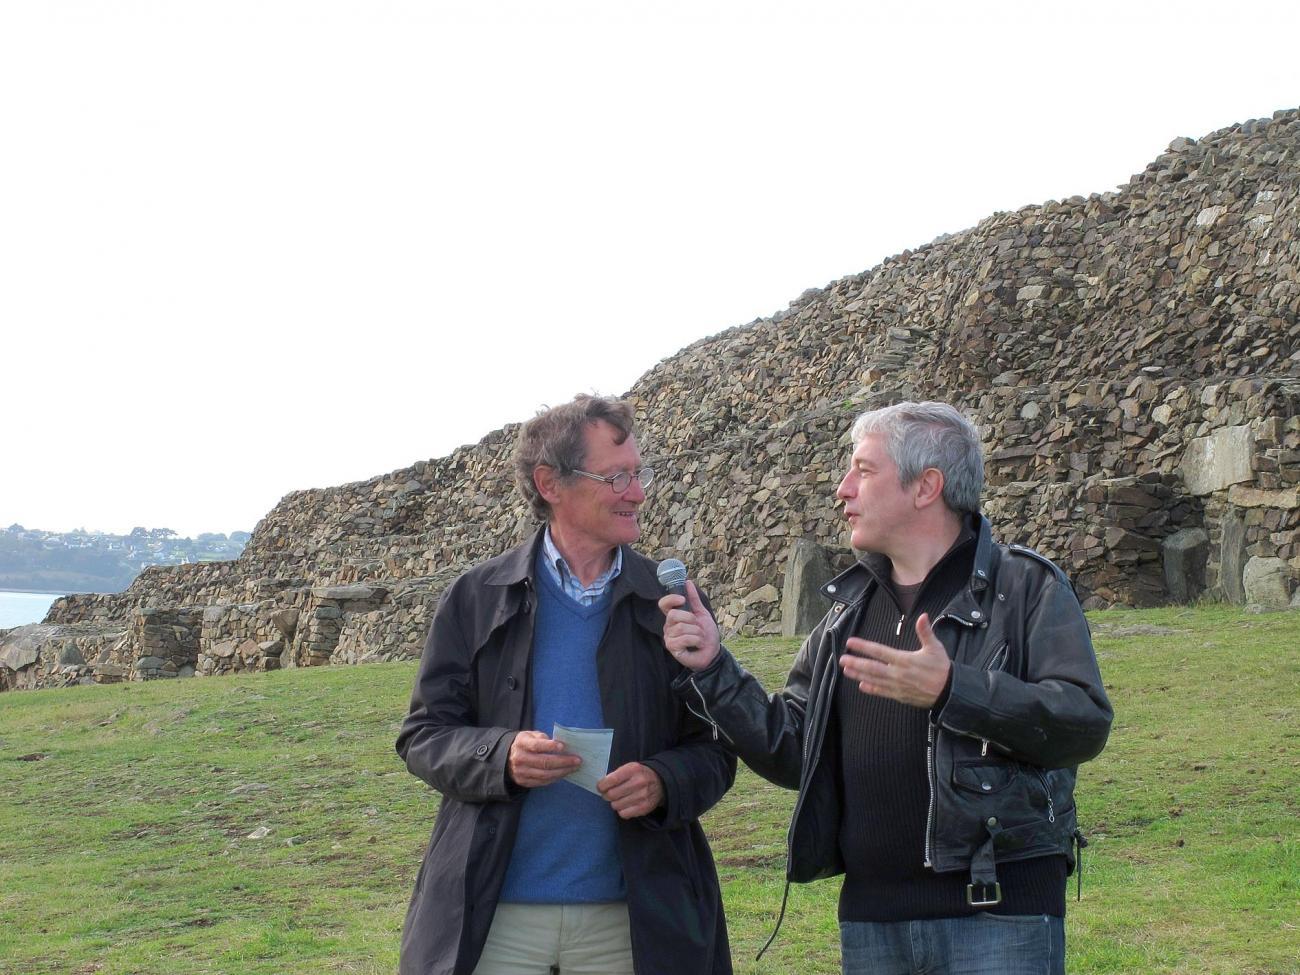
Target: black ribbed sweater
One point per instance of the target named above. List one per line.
(885, 787)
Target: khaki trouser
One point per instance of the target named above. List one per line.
(568, 939)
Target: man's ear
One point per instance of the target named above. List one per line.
(928, 487)
(547, 482)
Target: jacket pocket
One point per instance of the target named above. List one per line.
(982, 777)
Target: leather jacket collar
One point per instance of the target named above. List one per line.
(855, 582)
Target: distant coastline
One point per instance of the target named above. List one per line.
(37, 561)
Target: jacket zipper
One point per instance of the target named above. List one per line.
(1051, 807)
(995, 664)
(999, 658)
(929, 778)
(805, 774)
(705, 717)
(929, 763)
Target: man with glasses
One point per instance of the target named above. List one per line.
(527, 873)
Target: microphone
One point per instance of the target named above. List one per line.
(672, 576)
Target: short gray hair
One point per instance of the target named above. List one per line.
(921, 435)
(557, 438)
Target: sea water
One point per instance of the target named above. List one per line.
(21, 608)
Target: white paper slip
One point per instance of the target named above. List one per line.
(592, 746)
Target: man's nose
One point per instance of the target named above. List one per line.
(845, 490)
(635, 492)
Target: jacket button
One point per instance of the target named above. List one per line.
(993, 820)
(986, 787)
(975, 614)
(830, 588)
(511, 682)
(481, 750)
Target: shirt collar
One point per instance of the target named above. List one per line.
(562, 574)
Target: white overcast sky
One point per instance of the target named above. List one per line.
(252, 247)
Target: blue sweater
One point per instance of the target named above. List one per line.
(566, 850)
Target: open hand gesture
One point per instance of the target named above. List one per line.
(915, 677)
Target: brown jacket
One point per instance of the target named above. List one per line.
(472, 694)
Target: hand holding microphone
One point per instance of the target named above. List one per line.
(690, 633)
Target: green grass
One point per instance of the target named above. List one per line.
(125, 848)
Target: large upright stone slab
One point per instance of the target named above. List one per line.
(1267, 583)
(1184, 554)
(1232, 557)
(1218, 461)
(808, 567)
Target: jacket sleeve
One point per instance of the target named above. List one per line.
(765, 731)
(1058, 716)
(439, 739)
(696, 773)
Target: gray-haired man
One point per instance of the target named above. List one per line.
(932, 721)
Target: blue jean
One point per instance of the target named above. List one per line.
(982, 944)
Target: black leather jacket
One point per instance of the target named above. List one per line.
(1024, 708)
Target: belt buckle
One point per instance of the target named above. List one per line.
(983, 900)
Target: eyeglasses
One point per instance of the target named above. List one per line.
(621, 481)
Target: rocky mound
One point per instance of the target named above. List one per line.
(1131, 359)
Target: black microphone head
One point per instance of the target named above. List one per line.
(672, 576)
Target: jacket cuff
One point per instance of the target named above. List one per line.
(954, 709)
(669, 813)
(509, 788)
(969, 711)
(942, 700)
(682, 682)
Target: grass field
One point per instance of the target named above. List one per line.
(127, 811)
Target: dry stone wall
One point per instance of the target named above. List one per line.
(46, 655)
(1130, 357)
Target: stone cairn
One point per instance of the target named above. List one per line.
(1131, 359)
